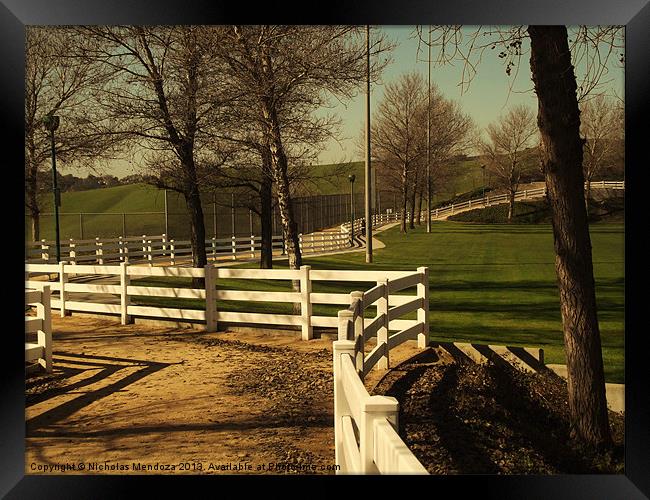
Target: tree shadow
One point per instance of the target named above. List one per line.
(72, 406)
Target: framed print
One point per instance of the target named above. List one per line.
(214, 134)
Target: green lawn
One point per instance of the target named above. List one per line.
(497, 284)
(488, 283)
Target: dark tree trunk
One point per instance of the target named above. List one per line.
(559, 124)
(404, 203)
(35, 217)
(511, 204)
(279, 164)
(413, 195)
(266, 220)
(419, 214)
(197, 222)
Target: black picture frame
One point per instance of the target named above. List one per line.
(634, 14)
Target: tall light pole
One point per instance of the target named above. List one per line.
(51, 123)
(429, 136)
(368, 179)
(351, 177)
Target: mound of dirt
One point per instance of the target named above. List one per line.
(464, 418)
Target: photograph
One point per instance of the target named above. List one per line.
(332, 249)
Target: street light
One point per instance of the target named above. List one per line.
(351, 177)
(51, 123)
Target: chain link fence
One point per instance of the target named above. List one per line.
(311, 213)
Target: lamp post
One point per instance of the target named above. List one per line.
(51, 123)
(351, 177)
(368, 180)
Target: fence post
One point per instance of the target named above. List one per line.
(73, 254)
(120, 248)
(340, 348)
(99, 252)
(344, 326)
(164, 241)
(300, 241)
(382, 333)
(357, 297)
(234, 248)
(172, 256)
(214, 249)
(374, 408)
(423, 310)
(144, 246)
(252, 246)
(45, 255)
(525, 193)
(63, 279)
(44, 311)
(210, 299)
(305, 303)
(125, 281)
(149, 253)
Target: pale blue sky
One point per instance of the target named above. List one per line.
(488, 96)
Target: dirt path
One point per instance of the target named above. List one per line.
(182, 401)
(121, 395)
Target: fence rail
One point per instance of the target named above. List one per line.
(486, 201)
(116, 297)
(147, 248)
(366, 440)
(41, 324)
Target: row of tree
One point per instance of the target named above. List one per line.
(210, 106)
(509, 147)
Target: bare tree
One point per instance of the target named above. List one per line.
(552, 63)
(508, 140)
(57, 84)
(601, 121)
(167, 92)
(295, 68)
(396, 135)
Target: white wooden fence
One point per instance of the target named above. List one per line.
(147, 248)
(486, 201)
(116, 295)
(365, 427)
(41, 324)
(378, 220)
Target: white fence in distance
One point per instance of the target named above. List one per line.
(41, 324)
(526, 194)
(375, 446)
(147, 248)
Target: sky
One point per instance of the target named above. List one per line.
(489, 95)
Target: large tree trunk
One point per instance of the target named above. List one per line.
(279, 164)
(266, 220)
(31, 192)
(419, 214)
(404, 203)
(511, 204)
(587, 194)
(413, 194)
(559, 124)
(197, 222)
(35, 217)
